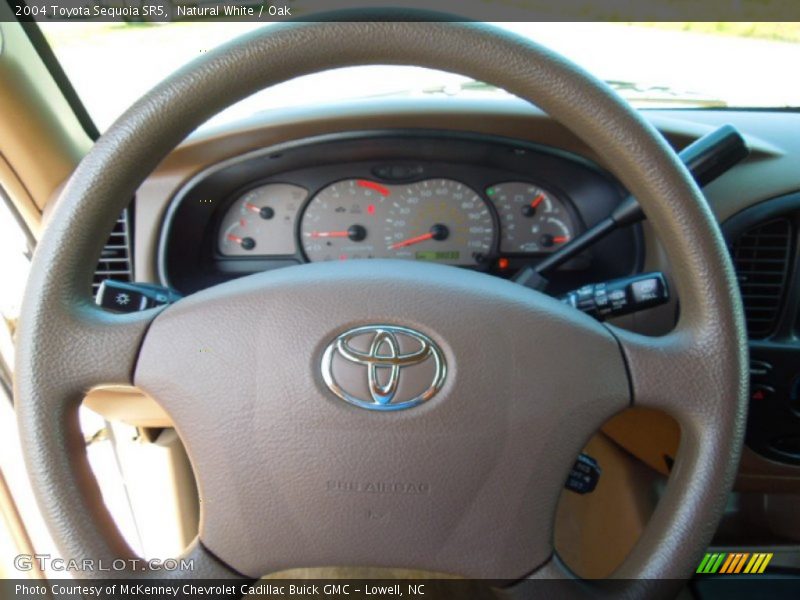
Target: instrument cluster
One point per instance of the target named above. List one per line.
(434, 219)
(468, 200)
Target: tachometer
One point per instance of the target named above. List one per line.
(439, 220)
(344, 220)
(532, 219)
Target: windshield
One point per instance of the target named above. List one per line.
(680, 65)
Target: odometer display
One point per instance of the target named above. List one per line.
(433, 255)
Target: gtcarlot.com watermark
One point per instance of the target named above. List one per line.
(46, 562)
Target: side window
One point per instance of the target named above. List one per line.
(108, 445)
(15, 251)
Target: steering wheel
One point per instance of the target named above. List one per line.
(465, 482)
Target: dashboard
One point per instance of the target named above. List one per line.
(478, 202)
(299, 162)
(285, 173)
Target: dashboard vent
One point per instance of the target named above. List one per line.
(761, 257)
(115, 261)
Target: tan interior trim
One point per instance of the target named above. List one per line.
(595, 532)
(20, 197)
(647, 434)
(651, 435)
(42, 140)
(759, 474)
(126, 404)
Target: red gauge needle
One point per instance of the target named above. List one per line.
(253, 207)
(537, 201)
(412, 241)
(560, 239)
(328, 234)
(234, 238)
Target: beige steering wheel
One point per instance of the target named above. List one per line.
(489, 454)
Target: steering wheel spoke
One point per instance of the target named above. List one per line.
(671, 372)
(660, 368)
(102, 347)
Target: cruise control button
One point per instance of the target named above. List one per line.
(646, 290)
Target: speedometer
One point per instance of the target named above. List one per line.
(439, 220)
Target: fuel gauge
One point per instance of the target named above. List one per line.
(532, 219)
(262, 221)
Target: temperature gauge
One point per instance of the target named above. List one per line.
(262, 221)
(532, 220)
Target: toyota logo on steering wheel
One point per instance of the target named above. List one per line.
(383, 367)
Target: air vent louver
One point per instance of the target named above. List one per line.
(115, 261)
(761, 256)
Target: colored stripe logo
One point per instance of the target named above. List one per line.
(732, 563)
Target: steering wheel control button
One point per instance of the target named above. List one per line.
(584, 475)
(383, 367)
(646, 290)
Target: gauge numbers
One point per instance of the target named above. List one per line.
(262, 221)
(344, 221)
(439, 220)
(532, 219)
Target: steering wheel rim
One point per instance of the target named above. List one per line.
(66, 345)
